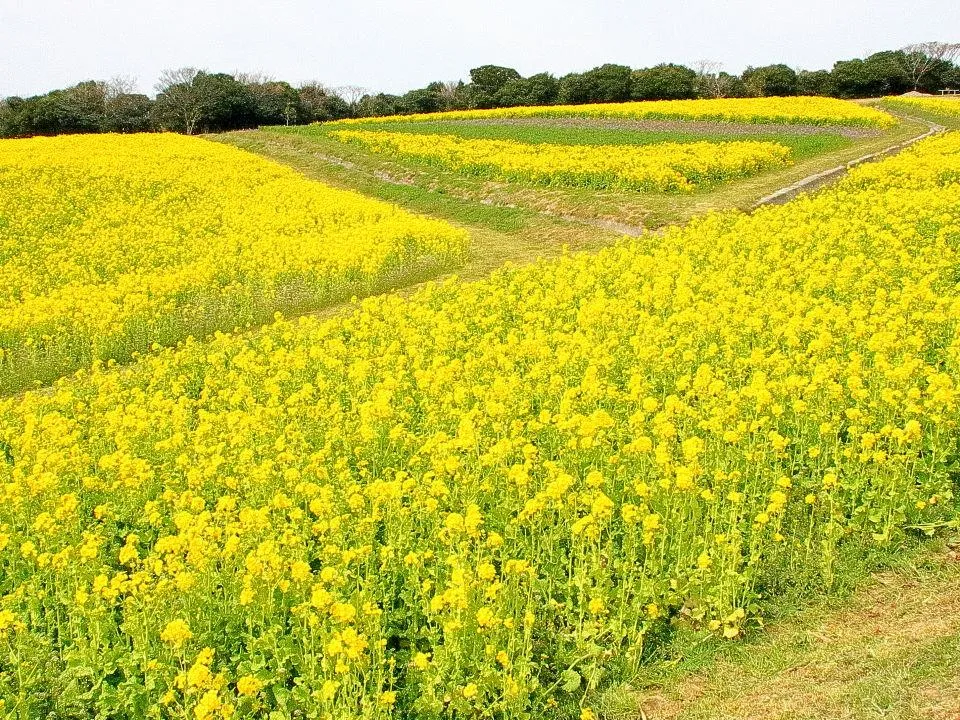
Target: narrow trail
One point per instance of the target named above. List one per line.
(821, 178)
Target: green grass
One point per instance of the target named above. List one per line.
(801, 146)
(341, 171)
(888, 647)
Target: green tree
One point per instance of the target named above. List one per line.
(227, 104)
(275, 102)
(883, 73)
(770, 81)
(126, 110)
(513, 94)
(421, 101)
(378, 105)
(950, 77)
(609, 83)
(542, 89)
(606, 83)
(574, 89)
(77, 109)
(319, 104)
(486, 82)
(84, 106)
(815, 82)
(539, 89)
(190, 100)
(11, 117)
(664, 82)
(129, 113)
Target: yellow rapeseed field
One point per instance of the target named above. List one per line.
(935, 105)
(491, 499)
(786, 110)
(109, 244)
(664, 166)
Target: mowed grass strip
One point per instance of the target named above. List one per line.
(891, 651)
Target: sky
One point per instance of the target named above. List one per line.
(397, 46)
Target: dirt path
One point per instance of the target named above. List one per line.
(891, 651)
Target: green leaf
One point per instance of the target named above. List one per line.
(571, 680)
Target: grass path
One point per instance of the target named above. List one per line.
(814, 181)
(891, 650)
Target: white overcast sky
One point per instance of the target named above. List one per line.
(397, 46)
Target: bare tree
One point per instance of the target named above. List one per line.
(125, 109)
(449, 89)
(120, 85)
(710, 80)
(923, 57)
(180, 76)
(179, 98)
(253, 78)
(351, 94)
(451, 94)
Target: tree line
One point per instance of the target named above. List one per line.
(191, 101)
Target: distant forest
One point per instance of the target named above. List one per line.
(191, 101)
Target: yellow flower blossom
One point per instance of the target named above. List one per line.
(176, 633)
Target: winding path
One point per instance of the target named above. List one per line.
(812, 181)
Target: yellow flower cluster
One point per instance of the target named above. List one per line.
(663, 166)
(935, 105)
(490, 498)
(782, 110)
(109, 244)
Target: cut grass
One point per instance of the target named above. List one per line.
(889, 650)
